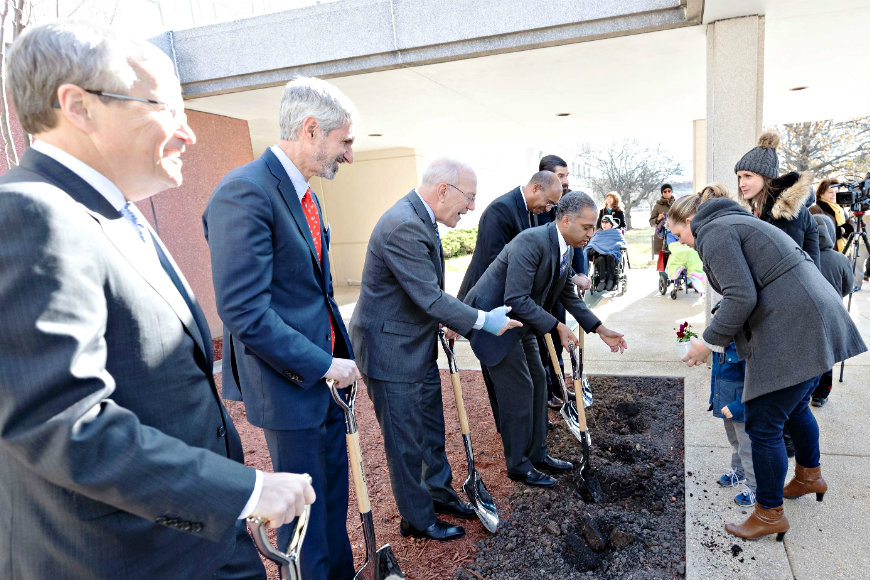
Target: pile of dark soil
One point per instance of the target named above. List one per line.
(638, 532)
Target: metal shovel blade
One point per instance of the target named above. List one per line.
(380, 564)
(288, 562)
(568, 410)
(593, 486)
(478, 496)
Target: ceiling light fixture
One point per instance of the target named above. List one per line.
(798, 88)
(563, 114)
(376, 134)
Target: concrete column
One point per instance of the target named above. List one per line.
(355, 200)
(735, 96)
(735, 91)
(699, 154)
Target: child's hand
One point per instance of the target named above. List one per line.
(727, 412)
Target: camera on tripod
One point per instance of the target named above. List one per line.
(856, 194)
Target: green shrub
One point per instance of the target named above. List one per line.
(459, 242)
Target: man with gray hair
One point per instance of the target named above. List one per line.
(530, 275)
(283, 333)
(119, 460)
(394, 332)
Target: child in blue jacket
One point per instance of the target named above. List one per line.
(726, 392)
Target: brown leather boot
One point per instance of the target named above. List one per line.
(806, 480)
(760, 523)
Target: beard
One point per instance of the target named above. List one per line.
(328, 166)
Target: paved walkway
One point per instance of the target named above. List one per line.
(827, 540)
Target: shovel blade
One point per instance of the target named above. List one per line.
(590, 479)
(481, 500)
(569, 414)
(384, 567)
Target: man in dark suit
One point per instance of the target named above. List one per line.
(119, 460)
(282, 329)
(394, 332)
(558, 166)
(530, 275)
(500, 222)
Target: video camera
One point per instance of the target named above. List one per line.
(856, 196)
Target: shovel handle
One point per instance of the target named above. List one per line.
(553, 360)
(359, 474)
(454, 379)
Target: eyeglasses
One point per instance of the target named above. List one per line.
(176, 114)
(551, 204)
(468, 199)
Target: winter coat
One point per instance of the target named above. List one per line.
(662, 206)
(836, 267)
(726, 384)
(838, 214)
(614, 213)
(788, 324)
(785, 209)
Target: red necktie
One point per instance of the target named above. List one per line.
(313, 219)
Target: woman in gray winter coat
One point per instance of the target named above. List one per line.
(789, 326)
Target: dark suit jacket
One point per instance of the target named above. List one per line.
(525, 276)
(110, 422)
(273, 296)
(395, 323)
(500, 222)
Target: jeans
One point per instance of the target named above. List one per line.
(765, 418)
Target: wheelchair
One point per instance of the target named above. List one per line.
(622, 265)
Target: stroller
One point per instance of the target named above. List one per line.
(680, 281)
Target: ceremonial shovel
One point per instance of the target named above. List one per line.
(478, 496)
(575, 418)
(288, 562)
(380, 564)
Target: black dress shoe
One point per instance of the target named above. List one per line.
(533, 477)
(552, 464)
(555, 403)
(439, 531)
(457, 508)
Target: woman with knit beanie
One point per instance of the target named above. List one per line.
(778, 199)
(771, 294)
(658, 213)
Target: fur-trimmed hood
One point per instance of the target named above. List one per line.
(788, 194)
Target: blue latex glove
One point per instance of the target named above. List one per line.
(495, 319)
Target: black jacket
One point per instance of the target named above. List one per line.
(785, 209)
(500, 222)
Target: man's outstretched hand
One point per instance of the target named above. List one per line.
(612, 339)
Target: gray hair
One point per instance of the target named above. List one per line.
(312, 97)
(444, 170)
(545, 179)
(574, 203)
(68, 52)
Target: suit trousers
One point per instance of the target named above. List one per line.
(411, 416)
(522, 404)
(321, 452)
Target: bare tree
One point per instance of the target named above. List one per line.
(634, 171)
(835, 148)
(14, 17)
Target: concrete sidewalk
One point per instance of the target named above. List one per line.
(827, 540)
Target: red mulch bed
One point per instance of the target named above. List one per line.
(419, 559)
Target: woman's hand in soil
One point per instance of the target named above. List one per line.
(611, 338)
(283, 498)
(698, 353)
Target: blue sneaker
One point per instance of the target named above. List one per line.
(731, 479)
(745, 498)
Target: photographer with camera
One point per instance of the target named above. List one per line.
(826, 204)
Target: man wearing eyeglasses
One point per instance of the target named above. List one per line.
(500, 222)
(394, 335)
(119, 460)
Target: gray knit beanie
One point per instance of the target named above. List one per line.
(762, 159)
